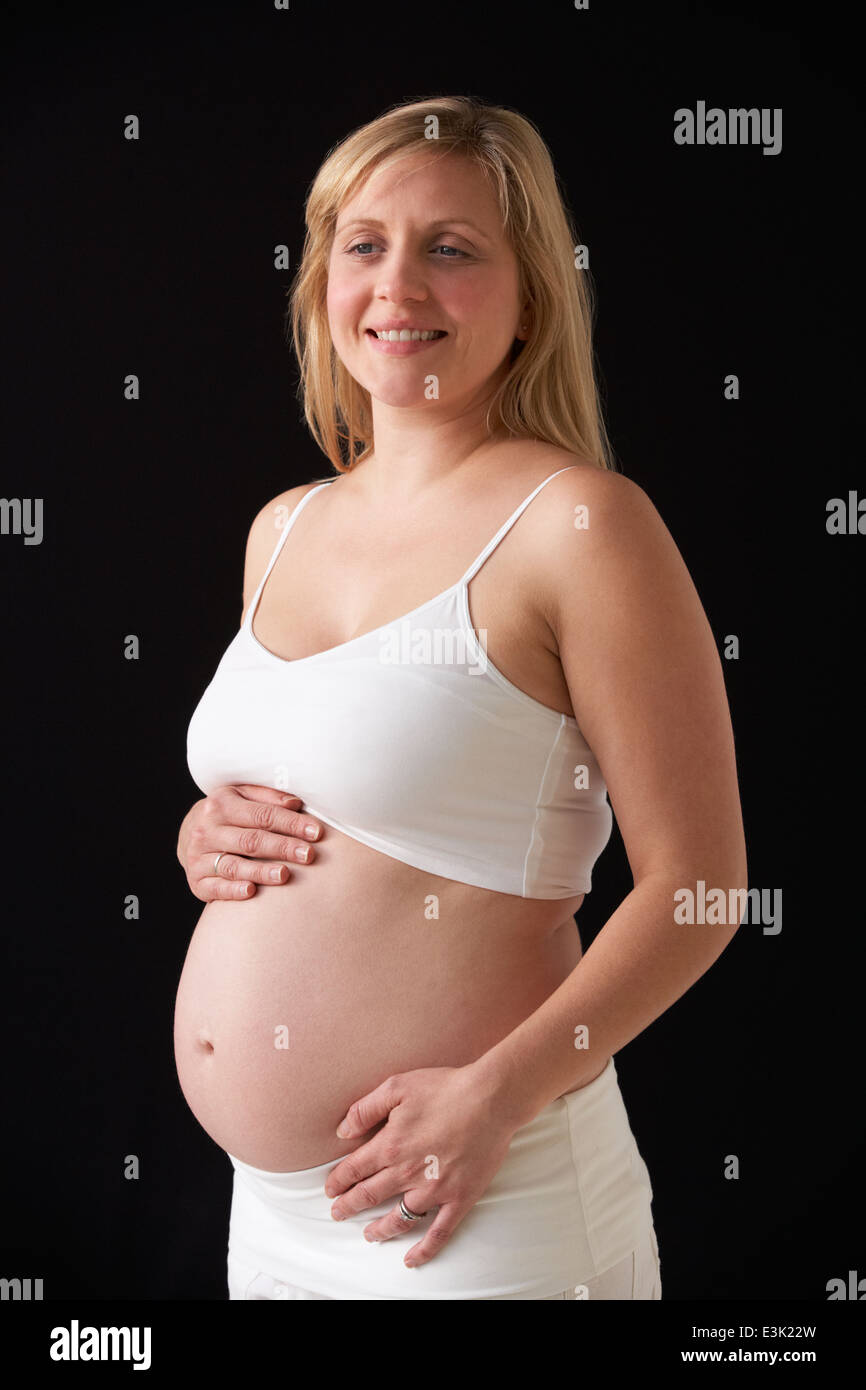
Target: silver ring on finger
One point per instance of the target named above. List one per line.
(408, 1215)
(216, 862)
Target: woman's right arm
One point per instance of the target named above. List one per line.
(255, 828)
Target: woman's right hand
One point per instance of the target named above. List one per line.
(255, 829)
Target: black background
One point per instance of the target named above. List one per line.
(156, 257)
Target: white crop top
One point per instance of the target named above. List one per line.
(409, 739)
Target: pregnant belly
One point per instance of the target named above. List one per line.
(298, 1002)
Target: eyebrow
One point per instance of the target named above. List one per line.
(441, 222)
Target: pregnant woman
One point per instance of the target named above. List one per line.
(451, 654)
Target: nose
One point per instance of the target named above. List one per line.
(401, 275)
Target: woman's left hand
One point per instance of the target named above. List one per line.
(444, 1140)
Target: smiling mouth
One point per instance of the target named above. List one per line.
(407, 335)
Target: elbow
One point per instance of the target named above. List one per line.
(719, 896)
(714, 891)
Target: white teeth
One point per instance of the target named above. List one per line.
(406, 335)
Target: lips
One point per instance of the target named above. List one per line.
(396, 347)
(405, 328)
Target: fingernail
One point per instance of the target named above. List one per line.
(302, 852)
(343, 1131)
(410, 1264)
(276, 875)
(337, 1215)
(311, 832)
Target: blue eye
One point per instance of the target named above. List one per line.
(440, 247)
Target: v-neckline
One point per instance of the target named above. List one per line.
(462, 583)
(340, 646)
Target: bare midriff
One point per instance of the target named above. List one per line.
(299, 1001)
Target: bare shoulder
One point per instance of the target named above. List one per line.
(596, 541)
(608, 569)
(265, 532)
(563, 472)
(580, 476)
(580, 508)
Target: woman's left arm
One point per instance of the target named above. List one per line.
(648, 694)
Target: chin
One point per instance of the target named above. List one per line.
(390, 389)
(404, 396)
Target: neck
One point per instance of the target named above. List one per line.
(416, 449)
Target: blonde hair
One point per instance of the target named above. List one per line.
(551, 391)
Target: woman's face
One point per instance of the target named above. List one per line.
(404, 253)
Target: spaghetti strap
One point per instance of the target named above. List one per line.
(250, 613)
(506, 527)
